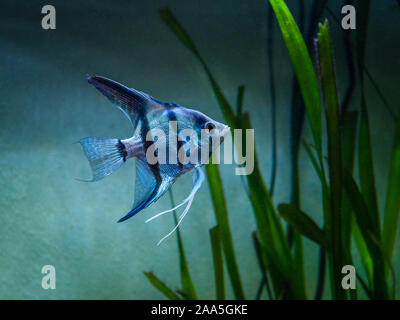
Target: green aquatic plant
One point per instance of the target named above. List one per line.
(349, 211)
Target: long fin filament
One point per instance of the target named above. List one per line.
(198, 179)
(179, 221)
(170, 210)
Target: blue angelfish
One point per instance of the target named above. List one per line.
(148, 115)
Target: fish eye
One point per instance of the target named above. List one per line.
(209, 126)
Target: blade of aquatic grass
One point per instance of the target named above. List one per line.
(272, 96)
(303, 67)
(262, 203)
(392, 207)
(388, 263)
(264, 280)
(331, 103)
(368, 230)
(367, 178)
(221, 213)
(366, 258)
(325, 198)
(302, 223)
(307, 82)
(218, 263)
(297, 104)
(239, 100)
(297, 109)
(272, 237)
(161, 286)
(176, 27)
(348, 121)
(366, 167)
(364, 148)
(294, 238)
(298, 260)
(186, 278)
(349, 131)
(321, 274)
(314, 161)
(296, 125)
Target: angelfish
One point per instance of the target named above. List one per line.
(148, 114)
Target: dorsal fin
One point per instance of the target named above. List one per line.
(133, 103)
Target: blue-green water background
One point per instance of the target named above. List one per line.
(48, 217)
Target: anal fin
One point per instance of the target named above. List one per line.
(148, 187)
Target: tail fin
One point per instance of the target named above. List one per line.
(105, 155)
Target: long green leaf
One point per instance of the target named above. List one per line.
(366, 258)
(221, 212)
(272, 237)
(314, 162)
(349, 132)
(392, 209)
(218, 263)
(303, 68)
(331, 103)
(365, 157)
(365, 287)
(186, 279)
(364, 154)
(296, 127)
(239, 99)
(302, 223)
(272, 94)
(366, 168)
(306, 77)
(161, 286)
(366, 224)
(349, 135)
(260, 259)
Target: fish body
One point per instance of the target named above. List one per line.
(153, 122)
